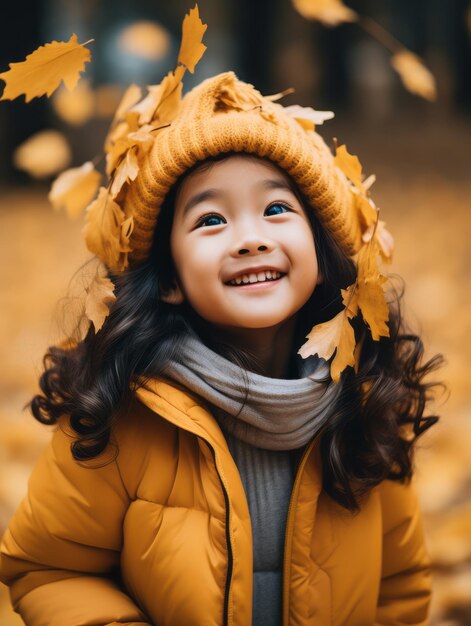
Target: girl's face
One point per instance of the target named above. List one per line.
(242, 245)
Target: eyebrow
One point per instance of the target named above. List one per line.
(210, 194)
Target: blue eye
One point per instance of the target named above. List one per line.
(278, 208)
(210, 220)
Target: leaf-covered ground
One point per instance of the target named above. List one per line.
(423, 192)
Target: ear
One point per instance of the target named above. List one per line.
(173, 295)
(320, 278)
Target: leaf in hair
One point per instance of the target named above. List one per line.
(100, 294)
(108, 231)
(337, 336)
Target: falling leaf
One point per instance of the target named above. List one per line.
(100, 294)
(191, 47)
(127, 170)
(146, 40)
(335, 335)
(329, 12)
(107, 231)
(383, 237)
(350, 166)
(75, 107)
(308, 117)
(415, 76)
(73, 189)
(43, 154)
(43, 70)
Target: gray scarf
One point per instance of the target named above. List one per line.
(276, 414)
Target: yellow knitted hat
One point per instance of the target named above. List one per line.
(224, 114)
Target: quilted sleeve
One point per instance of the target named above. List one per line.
(60, 553)
(406, 577)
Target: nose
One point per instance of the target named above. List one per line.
(253, 244)
(260, 248)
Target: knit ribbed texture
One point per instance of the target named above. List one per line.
(223, 115)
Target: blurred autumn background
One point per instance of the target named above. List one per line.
(417, 144)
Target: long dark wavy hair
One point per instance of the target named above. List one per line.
(375, 422)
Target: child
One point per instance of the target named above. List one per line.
(203, 473)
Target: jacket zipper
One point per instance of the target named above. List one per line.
(228, 539)
(289, 530)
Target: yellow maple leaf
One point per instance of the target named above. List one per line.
(366, 209)
(335, 335)
(308, 117)
(162, 101)
(350, 166)
(123, 122)
(100, 294)
(329, 12)
(142, 138)
(415, 77)
(107, 231)
(74, 189)
(43, 154)
(191, 47)
(44, 69)
(374, 307)
(127, 170)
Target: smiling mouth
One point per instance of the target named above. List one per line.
(253, 279)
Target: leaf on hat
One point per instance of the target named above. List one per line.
(383, 238)
(142, 138)
(191, 47)
(415, 77)
(75, 107)
(43, 154)
(108, 231)
(73, 189)
(100, 294)
(350, 166)
(127, 170)
(367, 294)
(44, 69)
(366, 208)
(162, 101)
(119, 127)
(329, 12)
(308, 117)
(335, 335)
(232, 94)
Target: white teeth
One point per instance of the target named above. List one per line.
(255, 278)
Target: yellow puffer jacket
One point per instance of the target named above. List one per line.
(162, 535)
